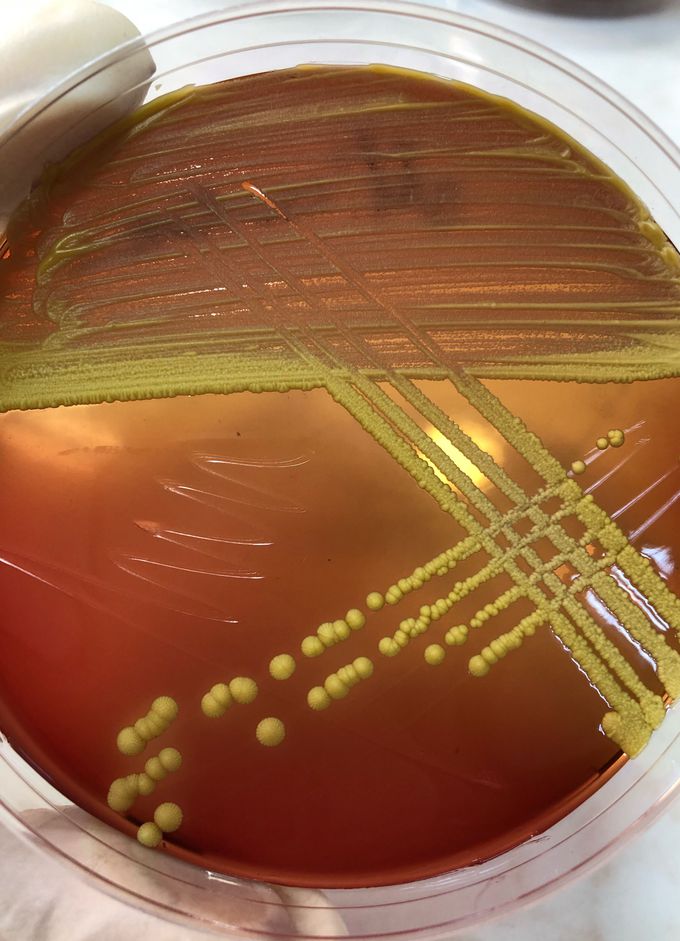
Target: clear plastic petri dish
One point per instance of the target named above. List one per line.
(261, 36)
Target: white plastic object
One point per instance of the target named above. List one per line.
(49, 43)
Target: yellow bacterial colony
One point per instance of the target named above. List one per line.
(287, 351)
(124, 791)
(133, 738)
(614, 439)
(634, 709)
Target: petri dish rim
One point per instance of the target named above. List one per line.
(430, 908)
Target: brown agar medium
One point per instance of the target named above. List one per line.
(524, 259)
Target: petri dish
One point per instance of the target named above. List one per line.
(261, 37)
